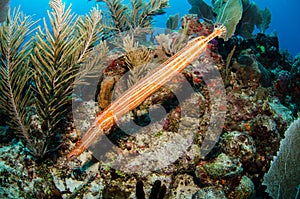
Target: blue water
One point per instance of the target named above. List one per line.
(285, 16)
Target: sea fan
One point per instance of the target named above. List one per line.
(282, 179)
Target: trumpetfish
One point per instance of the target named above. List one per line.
(146, 86)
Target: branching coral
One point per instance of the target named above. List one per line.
(138, 62)
(37, 76)
(138, 15)
(171, 44)
(38, 83)
(15, 89)
(135, 55)
(57, 57)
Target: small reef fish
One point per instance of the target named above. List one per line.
(142, 89)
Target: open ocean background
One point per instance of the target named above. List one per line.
(285, 16)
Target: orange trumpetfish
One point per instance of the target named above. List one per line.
(142, 89)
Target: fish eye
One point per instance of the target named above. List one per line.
(216, 25)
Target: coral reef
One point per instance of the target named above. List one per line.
(238, 142)
(20, 177)
(250, 71)
(191, 25)
(37, 78)
(39, 74)
(221, 167)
